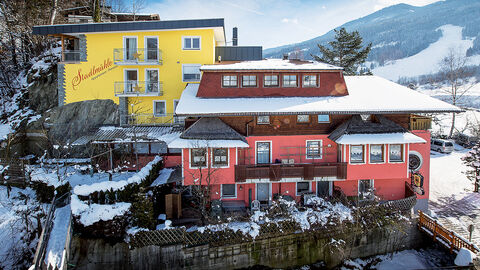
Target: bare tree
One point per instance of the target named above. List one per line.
(454, 71)
(136, 7)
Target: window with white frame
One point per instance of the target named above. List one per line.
(229, 191)
(270, 80)
(229, 81)
(289, 80)
(303, 118)
(152, 83)
(356, 154)
(191, 43)
(159, 108)
(249, 80)
(395, 153)
(220, 157)
(309, 80)
(323, 118)
(376, 153)
(263, 119)
(314, 149)
(191, 73)
(198, 157)
(303, 187)
(152, 48)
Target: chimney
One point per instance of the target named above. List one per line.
(285, 56)
(235, 37)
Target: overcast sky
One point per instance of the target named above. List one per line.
(272, 23)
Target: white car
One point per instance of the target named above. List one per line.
(441, 145)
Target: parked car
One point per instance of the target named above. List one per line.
(441, 145)
(465, 140)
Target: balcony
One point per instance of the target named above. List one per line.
(418, 122)
(148, 119)
(138, 88)
(275, 172)
(71, 56)
(140, 56)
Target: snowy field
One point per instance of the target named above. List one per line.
(426, 61)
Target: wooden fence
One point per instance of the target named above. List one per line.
(12, 171)
(446, 237)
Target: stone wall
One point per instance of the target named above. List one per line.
(280, 252)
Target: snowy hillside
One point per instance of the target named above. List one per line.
(416, 37)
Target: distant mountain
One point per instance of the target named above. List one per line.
(401, 31)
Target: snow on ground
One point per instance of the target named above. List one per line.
(91, 213)
(465, 122)
(426, 61)
(13, 237)
(452, 198)
(58, 236)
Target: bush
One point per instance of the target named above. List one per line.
(142, 212)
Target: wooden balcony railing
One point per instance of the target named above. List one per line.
(275, 172)
(418, 122)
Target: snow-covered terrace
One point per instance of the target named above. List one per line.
(367, 95)
(272, 64)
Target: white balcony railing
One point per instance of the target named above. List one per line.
(137, 56)
(138, 88)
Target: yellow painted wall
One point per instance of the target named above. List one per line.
(100, 47)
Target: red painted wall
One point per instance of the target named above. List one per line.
(220, 175)
(172, 161)
(424, 150)
(331, 84)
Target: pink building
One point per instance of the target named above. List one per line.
(258, 129)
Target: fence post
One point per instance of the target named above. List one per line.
(420, 219)
(452, 241)
(435, 224)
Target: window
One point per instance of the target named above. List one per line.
(220, 157)
(376, 153)
(159, 108)
(314, 149)
(263, 152)
(323, 118)
(198, 157)
(270, 80)
(229, 80)
(191, 43)
(263, 119)
(249, 80)
(229, 191)
(152, 48)
(305, 118)
(130, 48)
(131, 81)
(289, 80)
(365, 189)
(309, 80)
(152, 84)
(302, 187)
(191, 73)
(356, 154)
(395, 153)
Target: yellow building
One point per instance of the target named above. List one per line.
(142, 66)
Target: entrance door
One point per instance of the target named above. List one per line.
(152, 48)
(131, 78)
(130, 48)
(263, 152)
(263, 192)
(323, 189)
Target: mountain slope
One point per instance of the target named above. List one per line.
(401, 30)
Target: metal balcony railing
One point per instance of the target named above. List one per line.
(137, 56)
(275, 172)
(138, 88)
(147, 119)
(71, 56)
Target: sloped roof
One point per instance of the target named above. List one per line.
(272, 64)
(111, 134)
(367, 95)
(211, 128)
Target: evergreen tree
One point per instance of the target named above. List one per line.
(346, 51)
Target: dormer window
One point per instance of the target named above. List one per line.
(229, 81)
(289, 80)
(249, 80)
(270, 80)
(310, 81)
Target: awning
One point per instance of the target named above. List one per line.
(189, 143)
(379, 138)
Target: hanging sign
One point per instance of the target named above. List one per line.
(417, 183)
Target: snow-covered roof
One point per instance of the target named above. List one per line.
(367, 95)
(272, 64)
(184, 143)
(379, 138)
